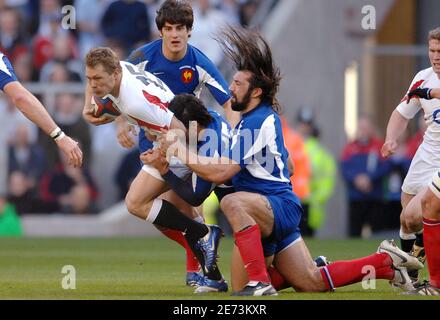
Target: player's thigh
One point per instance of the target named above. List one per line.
(431, 203)
(405, 198)
(144, 189)
(255, 205)
(412, 213)
(298, 268)
(179, 203)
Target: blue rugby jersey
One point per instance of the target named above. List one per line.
(214, 143)
(6, 72)
(258, 146)
(187, 75)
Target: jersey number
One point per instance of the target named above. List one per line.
(145, 80)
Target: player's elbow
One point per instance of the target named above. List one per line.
(21, 99)
(219, 177)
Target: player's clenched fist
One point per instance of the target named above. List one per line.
(388, 148)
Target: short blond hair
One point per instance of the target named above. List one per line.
(434, 34)
(105, 57)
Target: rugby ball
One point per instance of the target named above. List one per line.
(103, 107)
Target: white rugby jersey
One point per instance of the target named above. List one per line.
(426, 78)
(143, 99)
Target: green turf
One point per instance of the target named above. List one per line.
(141, 268)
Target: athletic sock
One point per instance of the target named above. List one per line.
(432, 249)
(277, 280)
(165, 214)
(249, 244)
(419, 239)
(192, 264)
(406, 240)
(342, 273)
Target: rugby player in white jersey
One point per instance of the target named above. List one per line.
(426, 161)
(143, 98)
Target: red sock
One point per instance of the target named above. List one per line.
(431, 239)
(342, 273)
(277, 280)
(192, 264)
(249, 244)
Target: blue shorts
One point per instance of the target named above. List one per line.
(144, 143)
(287, 216)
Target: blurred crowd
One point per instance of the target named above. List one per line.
(42, 51)
(46, 44)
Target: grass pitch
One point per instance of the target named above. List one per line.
(144, 268)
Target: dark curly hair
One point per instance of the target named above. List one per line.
(175, 12)
(250, 52)
(187, 107)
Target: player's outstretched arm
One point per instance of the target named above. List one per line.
(32, 108)
(396, 126)
(184, 188)
(214, 169)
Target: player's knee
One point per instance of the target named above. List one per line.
(314, 283)
(230, 204)
(133, 205)
(430, 205)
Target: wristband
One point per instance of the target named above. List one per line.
(56, 132)
(60, 136)
(428, 94)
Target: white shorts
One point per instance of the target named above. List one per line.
(434, 185)
(176, 166)
(423, 166)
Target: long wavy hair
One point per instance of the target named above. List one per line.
(250, 52)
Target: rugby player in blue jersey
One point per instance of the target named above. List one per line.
(29, 105)
(264, 213)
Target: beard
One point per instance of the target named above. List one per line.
(240, 106)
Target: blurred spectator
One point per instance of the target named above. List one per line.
(301, 170)
(323, 168)
(9, 220)
(415, 140)
(364, 171)
(67, 112)
(247, 10)
(127, 171)
(12, 36)
(71, 189)
(88, 17)
(127, 21)
(23, 68)
(64, 53)
(15, 118)
(49, 12)
(207, 21)
(399, 165)
(24, 197)
(49, 27)
(25, 156)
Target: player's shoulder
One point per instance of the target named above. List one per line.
(145, 52)
(217, 117)
(200, 58)
(261, 116)
(424, 74)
